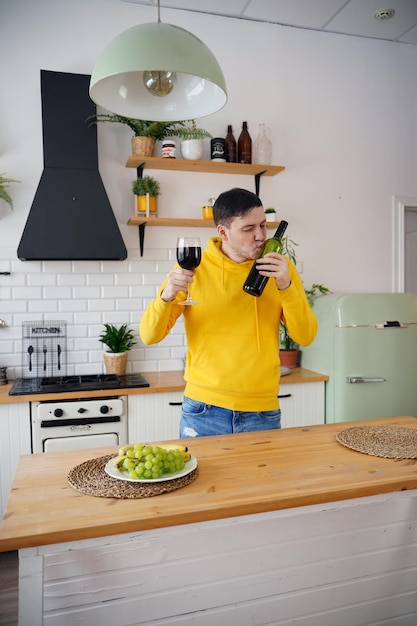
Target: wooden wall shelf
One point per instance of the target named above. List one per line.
(213, 167)
(184, 165)
(183, 222)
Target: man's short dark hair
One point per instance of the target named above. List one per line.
(234, 203)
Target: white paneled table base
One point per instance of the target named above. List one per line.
(348, 563)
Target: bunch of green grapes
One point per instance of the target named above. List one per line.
(150, 462)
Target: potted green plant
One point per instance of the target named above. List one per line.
(289, 349)
(118, 341)
(145, 132)
(4, 194)
(192, 139)
(270, 214)
(146, 189)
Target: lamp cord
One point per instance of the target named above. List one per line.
(159, 12)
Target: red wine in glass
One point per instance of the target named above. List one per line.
(189, 258)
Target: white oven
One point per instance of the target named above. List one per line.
(78, 424)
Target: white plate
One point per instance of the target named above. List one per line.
(114, 472)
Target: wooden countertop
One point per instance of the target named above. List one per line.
(238, 475)
(158, 382)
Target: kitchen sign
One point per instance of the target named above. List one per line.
(44, 348)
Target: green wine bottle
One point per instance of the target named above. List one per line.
(255, 283)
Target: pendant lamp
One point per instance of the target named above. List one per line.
(158, 72)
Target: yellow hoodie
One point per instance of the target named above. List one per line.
(233, 337)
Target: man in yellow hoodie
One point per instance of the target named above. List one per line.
(232, 367)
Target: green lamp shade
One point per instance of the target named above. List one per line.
(117, 80)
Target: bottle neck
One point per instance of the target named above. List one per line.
(281, 229)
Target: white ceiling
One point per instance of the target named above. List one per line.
(350, 17)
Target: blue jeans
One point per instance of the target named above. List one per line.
(201, 420)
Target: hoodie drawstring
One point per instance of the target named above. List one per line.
(257, 325)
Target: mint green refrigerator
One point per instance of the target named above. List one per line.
(367, 345)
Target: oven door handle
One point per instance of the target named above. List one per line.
(79, 421)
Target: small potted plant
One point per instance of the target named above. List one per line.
(289, 350)
(192, 139)
(270, 214)
(145, 132)
(4, 194)
(118, 341)
(146, 189)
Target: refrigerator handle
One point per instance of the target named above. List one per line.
(362, 379)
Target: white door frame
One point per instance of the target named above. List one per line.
(399, 204)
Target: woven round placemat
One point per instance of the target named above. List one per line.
(390, 442)
(90, 478)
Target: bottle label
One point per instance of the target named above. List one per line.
(218, 149)
(245, 156)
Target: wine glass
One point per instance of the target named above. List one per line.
(188, 257)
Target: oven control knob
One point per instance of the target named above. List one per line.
(104, 409)
(58, 412)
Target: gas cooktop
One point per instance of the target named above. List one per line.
(87, 382)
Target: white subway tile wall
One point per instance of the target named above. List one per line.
(86, 295)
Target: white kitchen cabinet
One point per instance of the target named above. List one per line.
(14, 441)
(154, 416)
(302, 404)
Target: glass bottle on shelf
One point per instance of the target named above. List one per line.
(244, 145)
(231, 146)
(262, 147)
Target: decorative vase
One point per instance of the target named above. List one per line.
(142, 206)
(115, 362)
(143, 146)
(271, 217)
(192, 149)
(289, 358)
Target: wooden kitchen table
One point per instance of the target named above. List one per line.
(264, 508)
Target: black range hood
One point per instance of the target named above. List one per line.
(71, 217)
